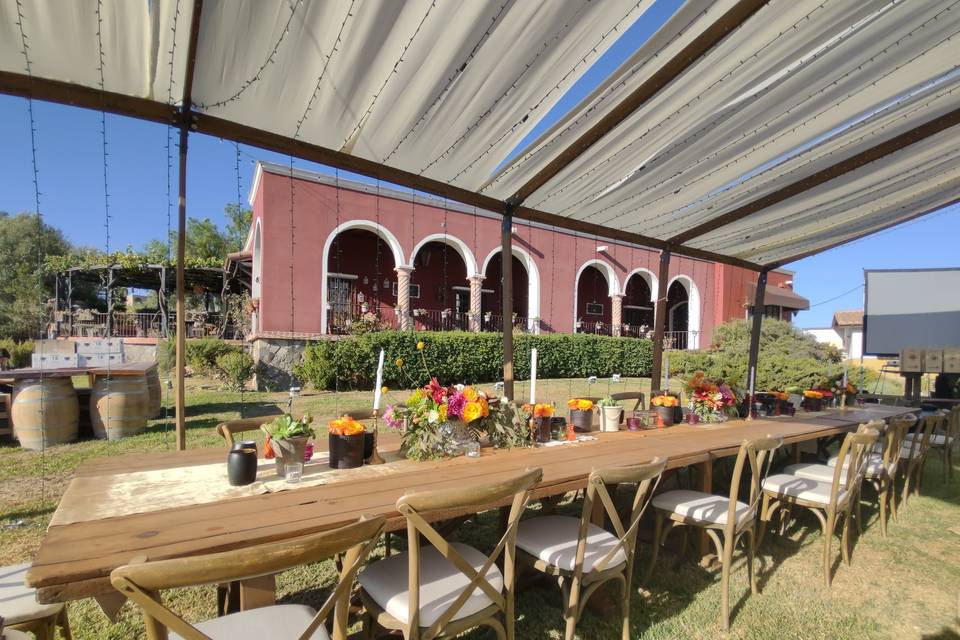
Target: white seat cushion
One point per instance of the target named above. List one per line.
(818, 472)
(699, 506)
(18, 602)
(278, 621)
(553, 539)
(385, 581)
(906, 454)
(936, 439)
(786, 485)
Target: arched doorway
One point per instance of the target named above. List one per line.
(593, 304)
(683, 313)
(637, 306)
(491, 309)
(439, 290)
(360, 283)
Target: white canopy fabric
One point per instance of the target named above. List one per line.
(447, 90)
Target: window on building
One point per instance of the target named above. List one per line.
(594, 309)
(769, 311)
(414, 290)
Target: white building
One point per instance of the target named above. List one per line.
(846, 333)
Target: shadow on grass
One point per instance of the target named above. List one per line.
(29, 513)
(943, 634)
(246, 409)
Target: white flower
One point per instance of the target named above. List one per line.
(433, 417)
(504, 399)
(458, 387)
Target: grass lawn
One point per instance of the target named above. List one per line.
(905, 586)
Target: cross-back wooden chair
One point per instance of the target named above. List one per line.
(913, 454)
(944, 438)
(829, 501)
(883, 476)
(631, 395)
(143, 582)
(584, 556)
(442, 589)
(727, 520)
(230, 428)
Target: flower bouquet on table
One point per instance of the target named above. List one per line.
(849, 391)
(581, 414)
(287, 440)
(812, 400)
(540, 419)
(665, 406)
(781, 403)
(710, 401)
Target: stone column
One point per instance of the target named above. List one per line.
(476, 291)
(403, 296)
(616, 314)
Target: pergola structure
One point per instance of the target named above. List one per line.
(750, 132)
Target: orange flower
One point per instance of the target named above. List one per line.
(345, 426)
(584, 405)
(527, 408)
(472, 411)
(484, 407)
(543, 411)
(470, 394)
(572, 403)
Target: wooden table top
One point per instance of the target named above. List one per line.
(124, 369)
(75, 560)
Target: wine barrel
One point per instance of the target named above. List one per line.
(118, 406)
(44, 412)
(154, 393)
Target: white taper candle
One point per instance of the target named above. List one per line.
(376, 391)
(533, 376)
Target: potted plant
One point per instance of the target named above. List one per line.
(610, 413)
(346, 439)
(287, 440)
(665, 406)
(581, 414)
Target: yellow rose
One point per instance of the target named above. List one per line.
(470, 394)
(472, 411)
(443, 413)
(584, 405)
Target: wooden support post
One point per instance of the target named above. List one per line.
(660, 321)
(180, 367)
(70, 303)
(506, 289)
(755, 341)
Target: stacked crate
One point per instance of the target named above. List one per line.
(99, 353)
(54, 354)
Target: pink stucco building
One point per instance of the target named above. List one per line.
(325, 252)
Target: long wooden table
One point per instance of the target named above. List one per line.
(75, 560)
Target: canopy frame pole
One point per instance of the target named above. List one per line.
(755, 330)
(185, 125)
(660, 321)
(506, 296)
(109, 328)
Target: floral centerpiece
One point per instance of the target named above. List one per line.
(286, 440)
(813, 400)
(539, 416)
(581, 413)
(345, 443)
(665, 406)
(710, 401)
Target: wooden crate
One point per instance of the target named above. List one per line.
(911, 360)
(933, 361)
(951, 360)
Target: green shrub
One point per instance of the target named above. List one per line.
(351, 361)
(235, 369)
(20, 352)
(202, 354)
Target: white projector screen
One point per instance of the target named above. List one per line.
(910, 308)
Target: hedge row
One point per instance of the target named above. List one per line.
(456, 356)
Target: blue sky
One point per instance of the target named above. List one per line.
(72, 193)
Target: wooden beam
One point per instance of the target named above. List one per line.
(506, 294)
(181, 342)
(754, 352)
(75, 95)
(806, 254)
(893, 145)
(660, 321)
(670, 71)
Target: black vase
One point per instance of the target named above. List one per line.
(242, 466)
(346, 452)
(541, 429)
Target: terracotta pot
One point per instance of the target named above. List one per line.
(288, 451)
(581, 420)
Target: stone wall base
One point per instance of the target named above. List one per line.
(275, 359)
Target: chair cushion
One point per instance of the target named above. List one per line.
(905, 453)
(818, 472)
(278, 621)
(18, 602)
(553, 539)
(699, 506)
(785, 485)
(936, 439)
(385, 581)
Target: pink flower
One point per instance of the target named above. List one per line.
(455, 405)
(390, 419)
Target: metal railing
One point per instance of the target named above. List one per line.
(122, 324)
(681, 340)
